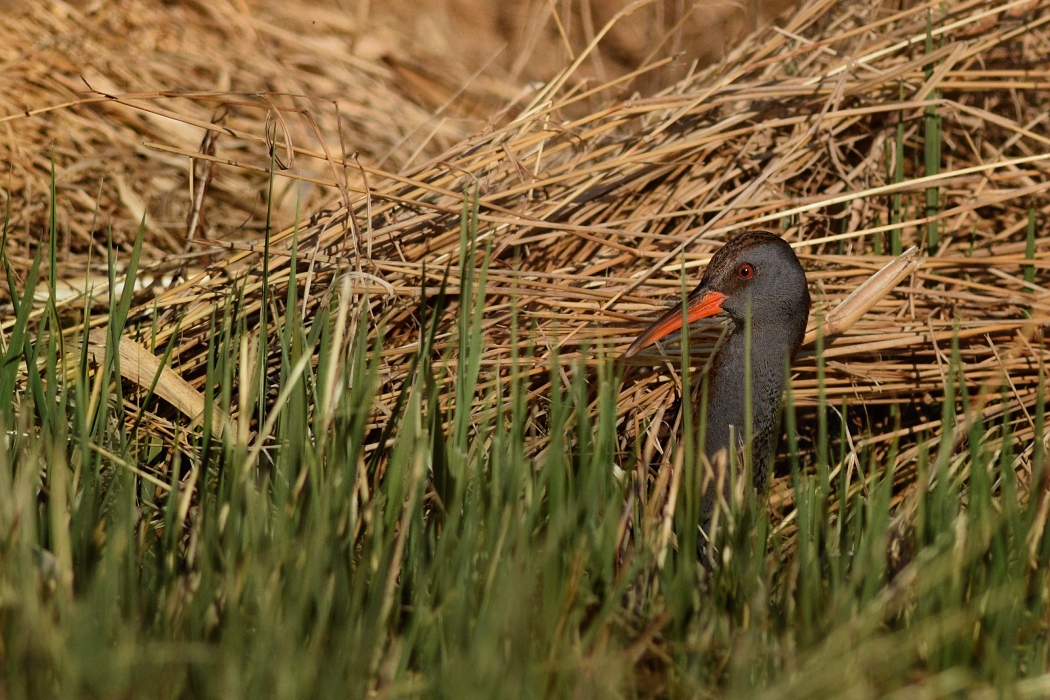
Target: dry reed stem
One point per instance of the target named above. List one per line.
(143, 369)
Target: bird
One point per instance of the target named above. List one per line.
(755, 273)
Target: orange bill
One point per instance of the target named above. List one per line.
(700, 304)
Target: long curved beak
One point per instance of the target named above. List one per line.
(702, 303)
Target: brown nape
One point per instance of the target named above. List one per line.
(738, 246)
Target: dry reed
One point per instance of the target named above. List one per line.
(823, 129)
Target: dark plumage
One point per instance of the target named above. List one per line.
(755, 270)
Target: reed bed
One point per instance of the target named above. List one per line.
(853, 130)
(69, 91)
(526, 254)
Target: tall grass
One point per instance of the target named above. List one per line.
(285, 562)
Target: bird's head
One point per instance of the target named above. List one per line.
(756, 273)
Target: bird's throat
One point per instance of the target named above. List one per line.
(728, 408)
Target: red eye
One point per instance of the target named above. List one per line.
(745, 271)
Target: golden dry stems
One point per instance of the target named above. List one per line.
(68, 66)
(593, 208)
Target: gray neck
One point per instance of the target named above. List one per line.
(726, 406)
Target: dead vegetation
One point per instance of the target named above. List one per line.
(854, 129)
